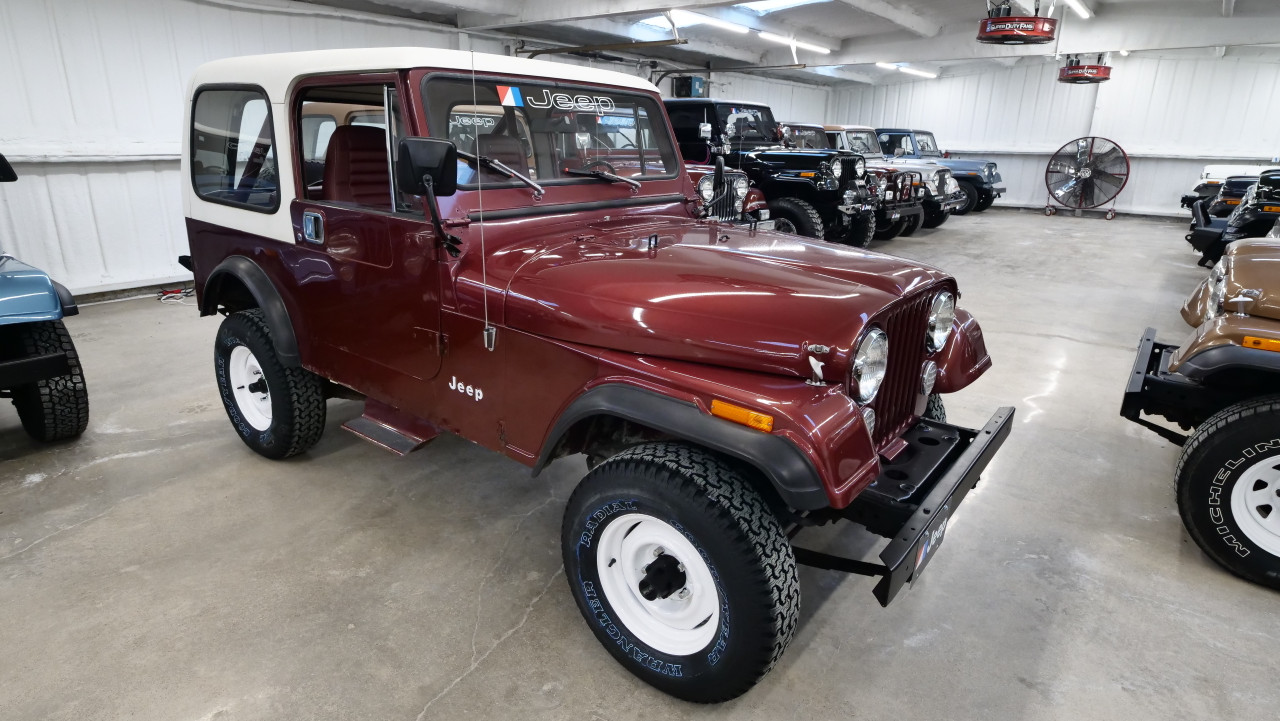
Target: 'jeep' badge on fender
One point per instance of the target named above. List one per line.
(464, 389)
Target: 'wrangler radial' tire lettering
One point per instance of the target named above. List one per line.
(680, 524)
(282, 412)
(1228, 486)
(54, 409)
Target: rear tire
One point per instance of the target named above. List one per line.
(1228, 488)
(276, 410)
(681, 570)
(800, 214)
(54, 409)
(971, 197)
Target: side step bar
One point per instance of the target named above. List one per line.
(391, 428)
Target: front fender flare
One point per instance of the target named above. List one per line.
(264, 292)
(785, 466)
(965, 356)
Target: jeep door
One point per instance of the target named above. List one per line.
(371, 287)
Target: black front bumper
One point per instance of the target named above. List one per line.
(889, 213)
(33, 369)
(914, 498)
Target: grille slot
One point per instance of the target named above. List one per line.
(895, 404)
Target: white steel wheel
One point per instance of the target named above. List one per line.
(249, 387)
(658, 583)
(1255, 503)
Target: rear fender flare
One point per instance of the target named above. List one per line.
(267, 298)
(779, 461)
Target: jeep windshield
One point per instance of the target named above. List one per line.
(810, 138)
(928, 146)
(863, 142)
(548, 133)
(747, 123)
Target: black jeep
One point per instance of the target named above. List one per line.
(817, 193)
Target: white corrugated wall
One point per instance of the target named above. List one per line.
(93, 112)
(1172, 116)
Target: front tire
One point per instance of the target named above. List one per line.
(936, 410)
(276, 410)
(54, 409)
(802, 217)
(888, 229)
(1228, 488)
(910, 224)
(681, 570)
(971, 197)
(984, 202)
(934, 219)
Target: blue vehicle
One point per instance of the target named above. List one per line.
(977, 178)
(39, 367)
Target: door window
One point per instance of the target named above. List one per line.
(347, 147)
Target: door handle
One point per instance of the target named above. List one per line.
(313, 227)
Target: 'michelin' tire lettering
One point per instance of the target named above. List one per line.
(1214, 461)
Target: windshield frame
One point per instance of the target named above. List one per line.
(935, 153)
(722, 122)
(874, 148)
(659, 124)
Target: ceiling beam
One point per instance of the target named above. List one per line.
(1228, 8)
(531, 13)
(642, 33)
(769, 25)
(905, 18)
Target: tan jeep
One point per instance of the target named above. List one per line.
(1224, 382)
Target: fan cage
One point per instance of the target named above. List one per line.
(1068, 152)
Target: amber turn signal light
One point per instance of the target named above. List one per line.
(745, 416)
(1253, 341)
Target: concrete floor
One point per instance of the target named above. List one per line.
(157, 569)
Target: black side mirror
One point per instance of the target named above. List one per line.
(421, 159)
(6, 171)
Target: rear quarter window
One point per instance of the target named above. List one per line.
(233, 154)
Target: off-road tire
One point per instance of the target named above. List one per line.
(801, 214)
(890, 229)
(55, 409)
(935, 218)
(741, 541)
(297, 395)
(971, 197)
(984, 202)
(863, 230)
(1215, 459)
(935, 410)
(910, 224)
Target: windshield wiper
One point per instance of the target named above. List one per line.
(603, 175)
(502, 168)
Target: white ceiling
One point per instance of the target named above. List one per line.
(933, 35)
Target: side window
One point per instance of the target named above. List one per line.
(233, 158)
(686, 119)
(346, 154)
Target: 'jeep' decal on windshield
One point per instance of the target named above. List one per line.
(564, 101)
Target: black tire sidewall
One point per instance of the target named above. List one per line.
(971, 198)
(1206, 480)
(725, 658)
(798, 212)
(242, 329)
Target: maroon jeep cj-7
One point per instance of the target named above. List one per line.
(512, 251)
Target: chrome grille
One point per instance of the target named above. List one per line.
(895, 405)
(724, 209)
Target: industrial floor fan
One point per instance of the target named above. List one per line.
(1086, 173)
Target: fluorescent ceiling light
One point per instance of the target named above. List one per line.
(686, 19)
(918, 73)
(789, 41)
(1080, 9)
(1124, 53)
(886, 66)
(764, 7)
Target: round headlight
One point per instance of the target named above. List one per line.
(860, 167)
(740, 187)
(706, 188)
(941, 314)
(837, 168)
(870, 363)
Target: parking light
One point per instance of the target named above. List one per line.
(744, 416)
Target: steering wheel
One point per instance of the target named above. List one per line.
(608, 166)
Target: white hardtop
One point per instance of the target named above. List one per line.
(275, 73)
(1223, 171)
(850, 127)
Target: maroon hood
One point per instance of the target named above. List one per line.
(705, 292)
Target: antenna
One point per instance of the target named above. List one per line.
(490, 333)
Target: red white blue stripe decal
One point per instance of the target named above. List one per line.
(510, 96)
